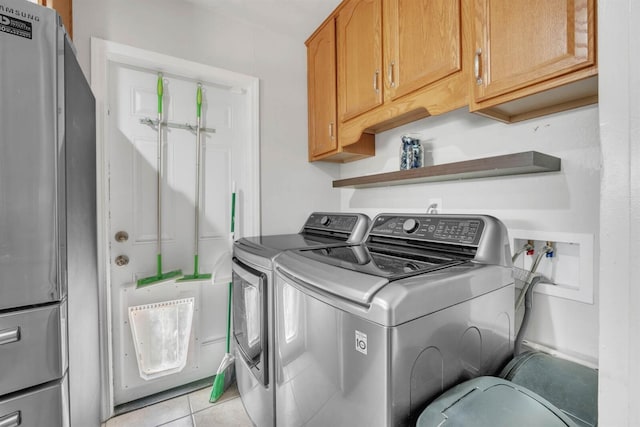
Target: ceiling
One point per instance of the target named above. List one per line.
(295, 18)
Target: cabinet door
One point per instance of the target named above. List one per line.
(359, 26)
(422, 43)
(522, 42)
(321, 66)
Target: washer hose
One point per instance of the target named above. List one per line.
(545, 250)
(525, 247)
(528, 304)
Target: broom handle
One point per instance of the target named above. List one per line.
(229, 318)
(233, 226)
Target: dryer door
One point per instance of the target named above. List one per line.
(250, 318)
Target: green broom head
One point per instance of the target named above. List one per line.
(218, 387)
(159, 276)
(218, 383)
(195, 276)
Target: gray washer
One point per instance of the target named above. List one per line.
(367, 335)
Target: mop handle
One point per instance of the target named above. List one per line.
(160, 91)
(198, 178)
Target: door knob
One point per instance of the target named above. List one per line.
(122, 236)
(122, 260)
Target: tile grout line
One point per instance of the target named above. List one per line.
(193, 419)
(213, 405)
(192, 411)
(179, 418)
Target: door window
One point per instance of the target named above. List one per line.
(252, 311)
(248, 316)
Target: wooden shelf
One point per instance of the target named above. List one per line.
(508, 164)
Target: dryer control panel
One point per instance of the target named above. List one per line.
(350, 228)
(332, 222)
(460, 230)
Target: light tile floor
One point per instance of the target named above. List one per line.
(191, 410)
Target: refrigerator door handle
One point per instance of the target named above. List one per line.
(11, 420)
(8, 336)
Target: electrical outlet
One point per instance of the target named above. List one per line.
(569, 270)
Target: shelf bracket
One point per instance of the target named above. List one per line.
(186, 126)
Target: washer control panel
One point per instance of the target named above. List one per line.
(435, 228)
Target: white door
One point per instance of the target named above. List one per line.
(132, 154)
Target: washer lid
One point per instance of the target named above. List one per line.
(320, 229)
(281, 242)
(328, 281)
(382, 261)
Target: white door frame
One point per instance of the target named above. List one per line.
(103, 55)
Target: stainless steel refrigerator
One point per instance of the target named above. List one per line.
(49, 355)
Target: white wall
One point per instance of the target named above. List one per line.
(193, 32)
(567, 201)
(187, 31)
(619, 58)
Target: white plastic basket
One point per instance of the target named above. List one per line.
(161, 334)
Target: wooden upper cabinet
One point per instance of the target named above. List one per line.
(524, 47)
(399, 61)
(422, 43)
(324, 128)
(402, 60)
(359, 27)
(321, 83)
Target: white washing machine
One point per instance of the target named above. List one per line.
(253, 302)
(367, 335)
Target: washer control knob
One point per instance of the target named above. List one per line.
(325, 220)
(410, 225)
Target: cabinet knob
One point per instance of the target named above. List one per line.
(476, 66)
(392, 82)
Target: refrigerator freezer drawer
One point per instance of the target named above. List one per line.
(42, 406)
(32, 347)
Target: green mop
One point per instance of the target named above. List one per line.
(159, 276)
(227, 360)
(196, 274)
